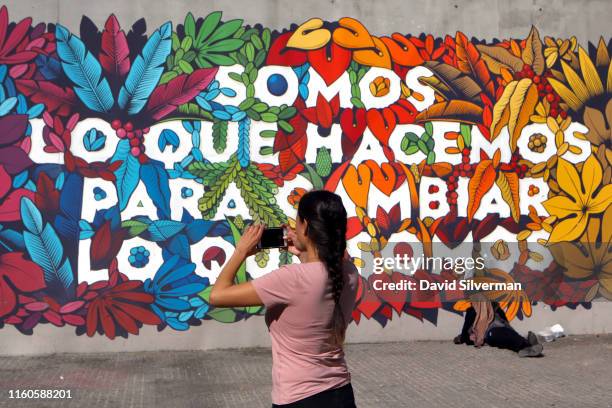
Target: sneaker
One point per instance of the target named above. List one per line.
(531, 351)
(532, 338)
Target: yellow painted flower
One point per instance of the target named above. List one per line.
(585, 199)
(593, 257)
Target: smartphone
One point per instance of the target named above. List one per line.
(272, 238)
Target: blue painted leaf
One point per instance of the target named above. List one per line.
(168, 137)
(128, 174)
(196, 301)
(11, 240)
(146, 71)
(20, 179)
(163, 230)
(155, 179)
(176, 275)
(183, 317)
(179, 245)
(45, 247)
(59, 181)
(31, 217)
(201, 311)
(84, 70)
(172, 303)
(86, 231)
(188, 126)
(7, 105)
(177, 325)
(243, 152)
(185, 290)
(35, 111)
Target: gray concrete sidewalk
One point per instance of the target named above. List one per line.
(575, 372)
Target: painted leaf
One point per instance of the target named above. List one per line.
(469, 62)
(56, 99)
(105, 245)
(452, 83)
(479, 185)
(128, 173)
(453, 111)
(45, 247)
(499, 110)
(24, 275)
(12, 128)
(163, 230)
(10, 207)
(508, 183)
(497, 57)
(146, 71)
(84, 71)
(114, 51)
(168, 137)
(533, 54)
(155, 179)
(180, 90)
(514, 108)
(522, 105)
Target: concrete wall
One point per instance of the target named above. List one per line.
(586, 19)
(253, 333)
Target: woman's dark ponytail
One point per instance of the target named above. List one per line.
(326, 228)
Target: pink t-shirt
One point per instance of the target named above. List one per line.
(299, 309)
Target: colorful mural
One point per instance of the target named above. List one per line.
(131, 160)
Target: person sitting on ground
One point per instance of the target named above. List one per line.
(486, 322)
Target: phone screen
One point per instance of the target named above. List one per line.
(272, 238)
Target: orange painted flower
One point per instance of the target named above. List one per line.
(380, 86)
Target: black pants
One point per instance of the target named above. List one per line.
(506, 338)
(341, 397)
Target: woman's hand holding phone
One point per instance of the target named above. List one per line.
(249, 239)
(291, 239)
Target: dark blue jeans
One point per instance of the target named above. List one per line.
(341, 397)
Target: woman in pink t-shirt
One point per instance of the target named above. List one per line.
(308, 304)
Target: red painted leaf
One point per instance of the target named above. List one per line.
(47, 197)
(108, 325)
(23, 275)
(92, 317)
(353, 123)
(105, 245)
(56, 99)
(141, 314)
(330, 61)
(279, 54)
(124, 320)
(9, 209)
(167, 97)
(114, 51)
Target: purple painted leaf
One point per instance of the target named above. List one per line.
(14, 160)
(12, 128)
(31, 321)
(5, 182)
